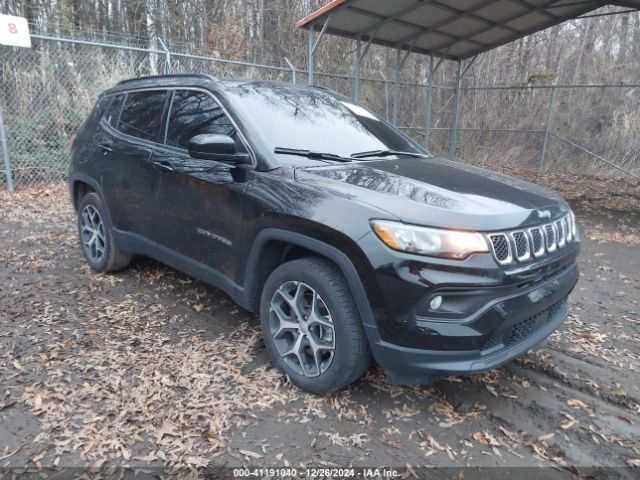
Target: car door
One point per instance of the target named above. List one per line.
(106, 160)
(130, 142)
(199, 202)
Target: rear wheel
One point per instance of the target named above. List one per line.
(311, 325)
(96, 237)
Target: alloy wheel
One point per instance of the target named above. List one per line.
(92, 233)
(302, 328)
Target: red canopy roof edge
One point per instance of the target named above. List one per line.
(310, 18)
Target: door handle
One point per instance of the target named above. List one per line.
(105, 146)
(163, 166)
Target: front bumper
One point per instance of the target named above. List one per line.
(412, 366)
(493, 320)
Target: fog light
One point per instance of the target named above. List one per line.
(435, 303)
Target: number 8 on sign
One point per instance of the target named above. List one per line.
(14, 31)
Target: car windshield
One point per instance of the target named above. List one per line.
(313, 119)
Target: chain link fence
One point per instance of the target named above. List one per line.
(47, 91)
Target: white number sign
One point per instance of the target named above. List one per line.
(14, 31)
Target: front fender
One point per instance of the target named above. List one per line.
(343, 262)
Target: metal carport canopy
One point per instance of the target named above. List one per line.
(451, 29)
(448, 29)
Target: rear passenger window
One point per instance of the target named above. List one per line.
(194, 113)
(142, 114)
(113, 110)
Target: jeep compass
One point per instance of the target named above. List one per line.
(351, 241)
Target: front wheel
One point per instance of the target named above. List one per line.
(311, 326)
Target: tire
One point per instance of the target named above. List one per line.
(96, 237)
(299, 283)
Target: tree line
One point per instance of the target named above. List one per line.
(601, 49)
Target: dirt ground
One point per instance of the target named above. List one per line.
(148, 368)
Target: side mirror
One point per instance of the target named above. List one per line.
(211, 146)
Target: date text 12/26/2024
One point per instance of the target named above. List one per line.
(323, 472)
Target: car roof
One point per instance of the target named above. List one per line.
(199, 80)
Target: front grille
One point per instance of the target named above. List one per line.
(550, 235)
(501, 248)
(523, 329)
(521, 246)
(537, 241)
(561, 233)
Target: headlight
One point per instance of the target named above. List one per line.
(429, 241)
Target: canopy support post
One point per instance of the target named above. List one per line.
(360, 54)
(396, 87)
(429, 100)
(314, 45)
(455, 112)
(386, 95)
(455, 108)
(400, 60)
(310, 56)
(356, 86)
(547, 127)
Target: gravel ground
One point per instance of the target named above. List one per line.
(150, 368)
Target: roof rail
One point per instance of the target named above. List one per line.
(172, 75)
(326, 89)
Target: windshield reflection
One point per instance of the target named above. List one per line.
(313, 119)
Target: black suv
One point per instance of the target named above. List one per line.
(347, 237)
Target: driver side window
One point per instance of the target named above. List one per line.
(194, 113)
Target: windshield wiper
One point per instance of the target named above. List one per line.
(311, 154)
(386, 153)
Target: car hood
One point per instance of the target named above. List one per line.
(439, 193)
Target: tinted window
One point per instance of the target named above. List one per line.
(194, 113)
(142, 114)
(113, 110)
(311, 119)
